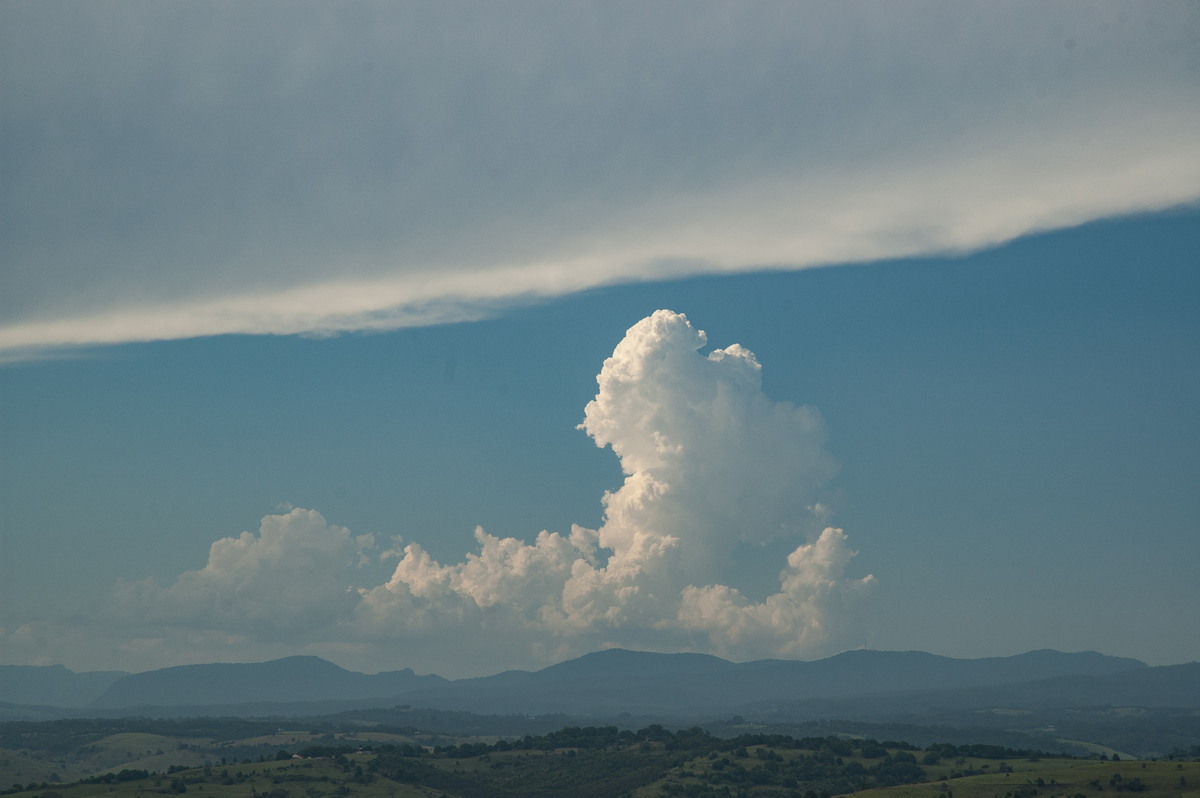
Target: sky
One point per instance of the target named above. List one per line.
(469, 337)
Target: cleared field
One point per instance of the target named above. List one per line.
(1059, 778)
(587, 762)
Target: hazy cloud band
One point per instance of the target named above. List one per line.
(178, 171)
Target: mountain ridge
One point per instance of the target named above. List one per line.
(714, 684)
(607, 681)
(299, 678)
(34, 685)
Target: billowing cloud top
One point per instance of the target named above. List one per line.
(184, 170)
(710, 464)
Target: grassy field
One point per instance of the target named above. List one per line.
(298, 778)
(87, 762)
(116, 751)
(1063, 778)
(324, 778)
(155, 752)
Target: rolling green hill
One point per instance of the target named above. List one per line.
(234, 758)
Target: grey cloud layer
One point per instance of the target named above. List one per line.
(710, 463)
(184, 170)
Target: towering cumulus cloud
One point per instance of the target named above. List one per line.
(712, 467)
(710, 462)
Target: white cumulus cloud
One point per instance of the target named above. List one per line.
(802, 616)
(710, 462)
(297, 573)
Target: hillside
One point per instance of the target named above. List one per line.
(227, 758)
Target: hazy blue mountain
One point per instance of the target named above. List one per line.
(1165, 686)
(291, 679)
(603, 664)
(53, 685)
(627, 681)
(606, 683)
(1039, 699)
(863, 672)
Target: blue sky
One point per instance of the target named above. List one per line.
(286, 293)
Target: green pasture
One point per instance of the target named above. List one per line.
(1062, 778)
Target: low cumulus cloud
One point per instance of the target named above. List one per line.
(207, 168)
(710, 463)
(296, 574)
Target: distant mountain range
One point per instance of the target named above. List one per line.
(606, 683)
(53, 685)
(281, 681)
(614, 681)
